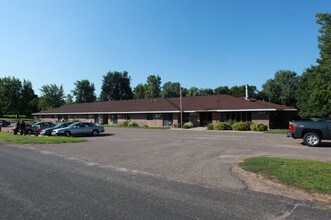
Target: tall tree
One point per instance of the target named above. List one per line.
(206, 91)
(314, 88)
(221, 90)
(240, 91)
(282, 88)
(139, 91)
(28, 104)
(10, 95)
(69, 99)
(153, 87)
(116, 86)
(193, 91)
(84, 91)
(52, 96)
(314, 93)
(324, 40)
(171, 89)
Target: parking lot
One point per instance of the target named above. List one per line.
(197, 157)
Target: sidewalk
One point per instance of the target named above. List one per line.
(189, 129)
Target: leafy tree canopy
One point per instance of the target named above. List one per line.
(153, 87)
(10, 95)
(84, 91)
(116, 86)
(52, 96)
(282, 88)
(171, 89)
(314, 87)
(139, 91)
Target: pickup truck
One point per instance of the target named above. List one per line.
(312, 132)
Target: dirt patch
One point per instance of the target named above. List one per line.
(259, 183)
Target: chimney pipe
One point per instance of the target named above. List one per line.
(247, 94)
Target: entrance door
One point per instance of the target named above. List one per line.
(113, 119)
(105, 119)
(206, 118)
(167, 120)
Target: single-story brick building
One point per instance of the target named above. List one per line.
(201, 110)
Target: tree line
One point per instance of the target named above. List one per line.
(310, 92)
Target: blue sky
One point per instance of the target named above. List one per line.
(203, 43)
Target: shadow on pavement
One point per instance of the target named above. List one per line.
(323, 144)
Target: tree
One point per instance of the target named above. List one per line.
(314, 87)
(221, 90)
(282, 88)
(16, 97)
(206, 92)
(69, 99)
(10, 95)
(28, 103)
(116, 86)
(240, 91)
(84, 91)
(193, 91)
(153, 87)
(171, 89)
(324, 40)
(314, 93)
(52, 96)
(139, 91)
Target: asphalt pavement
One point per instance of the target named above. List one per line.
(35, 185)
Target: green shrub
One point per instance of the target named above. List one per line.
(188, 125)
(125, 123)
(231, 122)
(222, 126)
(241, 126)
(133, 124)
(144, 126)
(129, 123)
(210, 127)
(258, 127)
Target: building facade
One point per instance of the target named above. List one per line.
(157, 112)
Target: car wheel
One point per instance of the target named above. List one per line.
(67, 133)
(95, 132)
(312, 139)
(29, 132)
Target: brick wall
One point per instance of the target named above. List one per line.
(261, 117)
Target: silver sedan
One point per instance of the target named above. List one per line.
(79, 128)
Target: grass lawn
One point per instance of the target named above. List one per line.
(21, 139)
(277, 131)
(311, 176)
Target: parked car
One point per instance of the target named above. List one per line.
(312, 132)
(38, 125)
(48, 131)
(4, 123)
(79, 128)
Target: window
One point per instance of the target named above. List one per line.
(127, 117)
(150, 117)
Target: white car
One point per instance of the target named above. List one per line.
(79, 128)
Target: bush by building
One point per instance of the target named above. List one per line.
(241, 126)
(222, 126)
(258, 127)
(188, 125)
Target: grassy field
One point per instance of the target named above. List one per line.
(21, 139)
(311, 176)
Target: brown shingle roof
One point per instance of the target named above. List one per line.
(159, 105)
